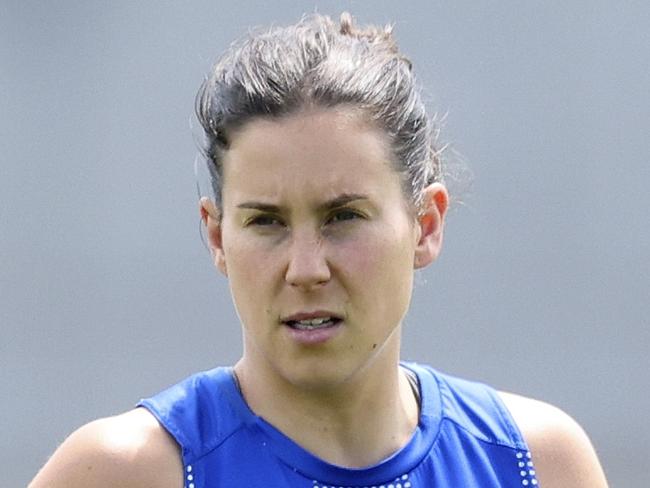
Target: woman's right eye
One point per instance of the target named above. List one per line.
(264, 221)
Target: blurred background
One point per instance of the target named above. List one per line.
(107, 293)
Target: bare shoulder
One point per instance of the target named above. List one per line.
(131, 450)
(562, 452)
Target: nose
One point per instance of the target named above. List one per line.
(307, 268)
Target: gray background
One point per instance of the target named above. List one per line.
(107, 293)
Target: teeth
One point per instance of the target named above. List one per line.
(317, 321)
(311, 323)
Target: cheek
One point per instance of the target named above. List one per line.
(378, 258)
(250, 275)
(357, 256)
(246, 257)
(243, 260)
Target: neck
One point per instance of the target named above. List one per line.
(338, 424)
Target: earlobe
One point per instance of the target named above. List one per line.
(430, 223)
(211, 218)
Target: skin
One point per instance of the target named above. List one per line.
(285, 249)
(279, 230)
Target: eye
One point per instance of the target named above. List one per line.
(263, 221)
(343, 215)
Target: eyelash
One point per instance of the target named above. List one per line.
(344, 211)
(268, 220)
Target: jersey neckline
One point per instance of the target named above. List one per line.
(321, 472)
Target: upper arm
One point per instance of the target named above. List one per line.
(126, 451)
(562, 453)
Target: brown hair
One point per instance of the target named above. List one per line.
(276, 72)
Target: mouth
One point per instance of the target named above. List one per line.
(313, 324)
(314, 328)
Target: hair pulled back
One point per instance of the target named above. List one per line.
(318, 63)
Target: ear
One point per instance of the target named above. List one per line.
(430, 223)
(211, 217)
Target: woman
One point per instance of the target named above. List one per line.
(328, 194)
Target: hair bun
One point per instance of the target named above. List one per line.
(347, 23)
(373, 34)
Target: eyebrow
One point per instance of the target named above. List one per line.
(337, 202)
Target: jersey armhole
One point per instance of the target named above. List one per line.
(514, 432)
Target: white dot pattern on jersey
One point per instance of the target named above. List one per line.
(399, 482)
(524, 463)
(189, 477)
(526, 469)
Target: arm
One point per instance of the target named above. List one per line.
(130, 450)
(561, 451)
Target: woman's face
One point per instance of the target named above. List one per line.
(319, 244)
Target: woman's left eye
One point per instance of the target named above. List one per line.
(344, 215)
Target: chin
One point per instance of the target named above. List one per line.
(319, 375)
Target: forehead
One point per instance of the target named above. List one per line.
(325, 151)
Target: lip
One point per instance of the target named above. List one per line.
(310, 315)
(313, 337)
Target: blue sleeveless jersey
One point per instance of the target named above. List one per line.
(465, 438)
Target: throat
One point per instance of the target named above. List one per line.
(339, 428)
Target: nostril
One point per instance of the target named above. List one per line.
(307, 271)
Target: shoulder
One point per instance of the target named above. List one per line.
(562, 452)
(131, 450)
